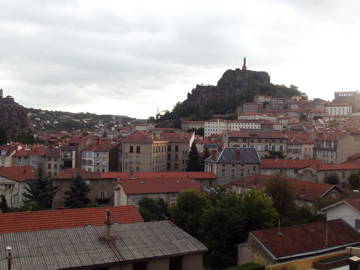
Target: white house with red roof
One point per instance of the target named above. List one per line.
(348, 210)
(12, 183)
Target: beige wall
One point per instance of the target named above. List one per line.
(192, 262)
(177, 160)
(152, 157)
(13, 191)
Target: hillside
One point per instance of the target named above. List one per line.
(48, 121)
(13, 120)
(234, 88)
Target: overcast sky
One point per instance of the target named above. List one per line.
(130, 57)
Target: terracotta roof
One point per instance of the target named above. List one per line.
(176, 137)
(257, 134)
(343, 166)
(289, 163)
(160, 175)
(67, 218)
(18, 173)
(139, 137)
(307, 239)
(101, 147)
(302, 190)
(156, 185)
(72, 173)
(35, 151)
(355, 203)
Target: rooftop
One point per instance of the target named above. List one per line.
(88, 246)
(67, 218)
(18, 173)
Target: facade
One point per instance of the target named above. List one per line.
(100, 157)
(220, 126)
(347, 210)
(262, 141)
(143, 152)
(300, 149)
(158, 245)
(12, 183)
(336, 147)
(33, 157)
(187, 125)
(52, 162)
(350, 97)
(131, 191)
(215, 126)
(101, 189)
(233, 163)
(338, 109)
(6, 155)
(68, 158)
(178, 149)
(286, 167)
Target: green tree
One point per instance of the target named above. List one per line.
(275, 154)
(187, 211)
(194, 162)
(354, 181)
(76, 197)
(26, 138)
(204, 156)
(332, 179)
(3, 204)
(228, 221)
(282, 195)
(40, 192)
(152, 210)
(3, 136)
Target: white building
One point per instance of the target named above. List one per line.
(220, 126)
(338, 109)
(348, 210)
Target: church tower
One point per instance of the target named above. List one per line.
(1, 93)
(244, 68)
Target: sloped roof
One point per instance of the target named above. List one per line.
(67, 218)
(72, 173)
(343, 166)
(101, 147)
(163, 185)
(354, 203)
(257, 134)
(302, 190)
(155, 175)
(238, 155)
(289, 163)
(88, 246)
(183, 137)
(18, 173)
(307, 239)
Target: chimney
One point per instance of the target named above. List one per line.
(9, 257)
(108, 224)
(237, 154)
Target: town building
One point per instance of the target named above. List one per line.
(338, 109)
(100, 157)
(347, 210)
(33, 156)
(187, 125)
(158, 245)
(262, 141)
(52, 162)
(233, 163)
(6, 155)
(13, 183)
(292, 243)
(349, 97)
(144, 152)
(131, 191)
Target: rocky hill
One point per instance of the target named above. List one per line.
(13, 118)
(233, 89)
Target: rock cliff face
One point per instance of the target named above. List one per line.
(13, 118)
(234, 88)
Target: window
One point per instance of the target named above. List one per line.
(175, 263)
(140, 266)
(131, 149)
(138, 149)
(357, 224)
(169, 148)
(176, 148)
(49, 165)
(55, 166)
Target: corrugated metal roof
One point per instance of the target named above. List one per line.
(87, 246)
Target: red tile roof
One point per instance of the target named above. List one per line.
(139, 137)
(18, 173)
(72, 173)
(67, 218)
(289, 163)
(101, 147)
(155, 185)
(302, 190)
(343, 166)
(307, 238)
(35, 151)
(153, 175)
(176, 137)
(257, 134)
